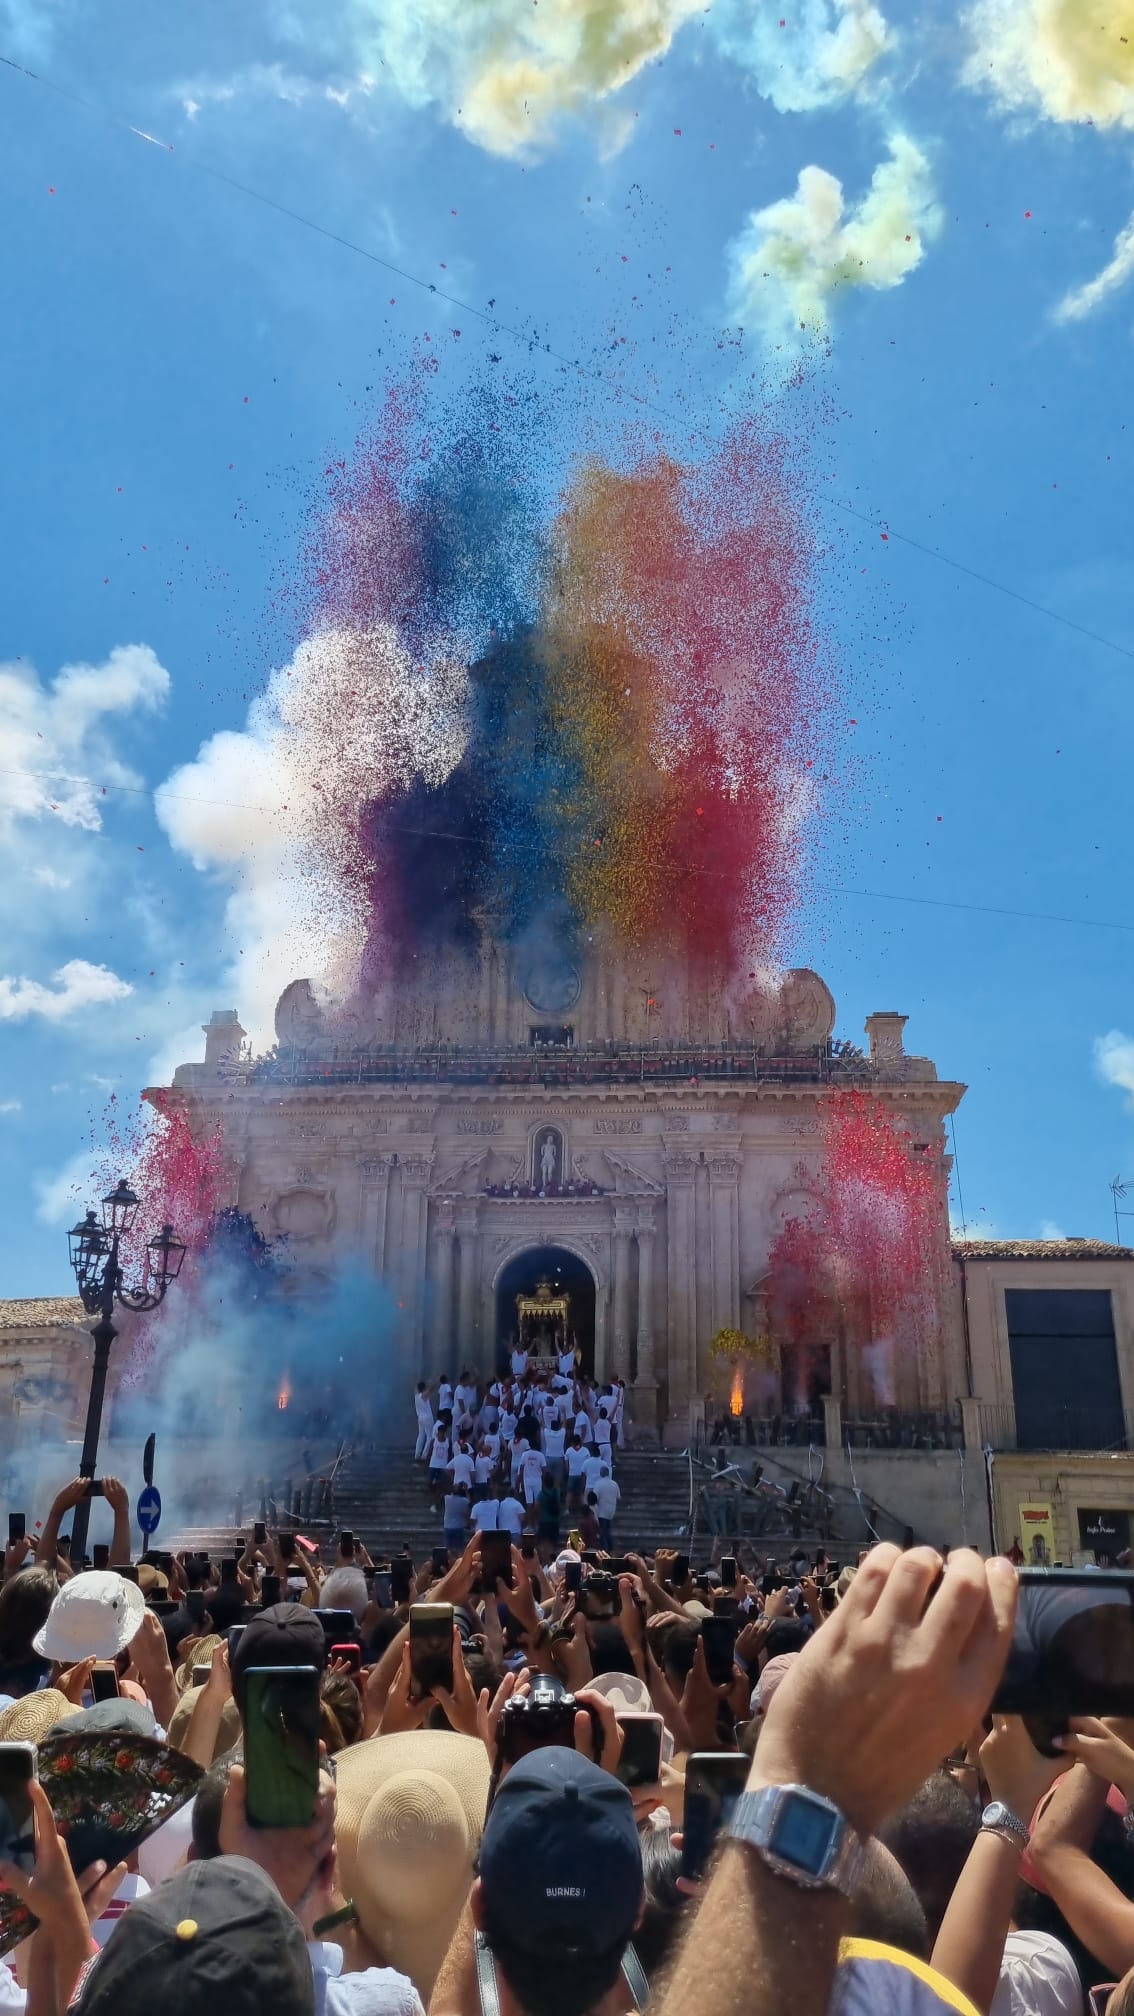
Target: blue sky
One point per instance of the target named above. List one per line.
(943, 192)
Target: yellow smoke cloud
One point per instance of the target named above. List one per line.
(793, 257)
(1065, 59)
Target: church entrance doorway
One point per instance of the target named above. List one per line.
(544, 1293)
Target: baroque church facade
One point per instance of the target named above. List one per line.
(513, 1140)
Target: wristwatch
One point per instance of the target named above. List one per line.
(800, 1835)
(1000, 1819)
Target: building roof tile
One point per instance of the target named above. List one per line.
(1040, 1249)
(42, 1312)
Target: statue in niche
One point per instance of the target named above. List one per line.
(548, 1152)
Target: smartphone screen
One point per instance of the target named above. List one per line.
(495, 1559)
(259, 1533)
(728, 1571)
(714, 1781)
(228, 1571)
(104, 1681)
(236, 1633)
(200, 1675)
(679, 1571)
(339, 1626)
(269, 1591)
(431, 1646)
(719, 1635)
(1072, 1647)
(573, 1577)
(286, 1545)
(17, 1815)
(640, 1761)
(195, 1605)
(384, 1588)
(346, 1545)
(100, 1555)
(17, 1527)
(601, 1597)
(440, 1560)
(281, 1745)
(401, 1575)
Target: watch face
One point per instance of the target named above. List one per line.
(803, 1833)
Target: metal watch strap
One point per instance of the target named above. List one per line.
(998, 1819)
(753, 1821)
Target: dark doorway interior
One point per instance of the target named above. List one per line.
(567, 1275)
(1064, 1369)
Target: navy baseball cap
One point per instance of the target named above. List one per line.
(283, 1635)
(559, 1857)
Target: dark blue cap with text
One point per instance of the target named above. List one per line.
(559, 1858)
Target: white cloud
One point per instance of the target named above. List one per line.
(57, 755)
(1060, 59)
(817, 53)
(1114, 1061)
(1082, 301)
(11, 1105)
(794, 257)
(64, 1195)
(1050, 1230)
(79, 985)
(50, 878)
(275, 807)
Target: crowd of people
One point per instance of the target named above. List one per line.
(286, 1779)
(518, 1453)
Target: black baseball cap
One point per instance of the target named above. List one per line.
(217, 1936)
(559, 1858)
(283, 1635)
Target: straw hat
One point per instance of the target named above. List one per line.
(409, 1818)
(200, 1655)
(30, 1720)
(94, 1616)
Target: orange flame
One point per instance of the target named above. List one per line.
(736, 1397)
(284, 1394)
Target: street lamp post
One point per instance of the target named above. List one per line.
(94, 1249)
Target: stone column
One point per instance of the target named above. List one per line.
(411, 1258)
(644, 1395)
(442, 1283)
(470, 1345)
(374, 1208)
(724, 1240)
(681, 1283)
(620, 1354)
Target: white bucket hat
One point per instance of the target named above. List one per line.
(94, 1616)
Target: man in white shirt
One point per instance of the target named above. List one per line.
(462, 1464)
(554, 1446)
(618, 1412)
(510, 1515)
(602, 1431)
(575, 1456)
(584, 1428)
(486, 1514)
(423, 1408)
(532, 1466)
(519, 1361)
(592, 1469)
(439, 1454)
(507, 1424)
(445, 1396)
(606, 1495)
(567, 1362)
(484, 1463)
(465, 1394)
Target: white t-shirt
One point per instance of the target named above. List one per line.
(531, 1474)
(465, 1396)
(507, 1424)
(602, 1431)
(511, 1515)
(484, 1465)
(566, 1364)
(583, 1425)
(553, 1441)
(456, 1511)
(607, 1494)
(444, 1396)
(439, 1454)
(591, 1469)
(577, 1460)
(486, 1515)
(1037, 1978)
(463, 1467)
(423, 1408)
(519, 1363)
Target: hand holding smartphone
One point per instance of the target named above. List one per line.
(640, 1760)
(17, 1814)
(431, 1647)
(281, 1745)
(714, 1781)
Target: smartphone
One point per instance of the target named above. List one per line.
(726, 1606)
(401, 1575)
(829, 1598)
(495, 1560)
(346, 1545)
(281, 1745)
(351, 1656)
(339, 1627)
(259, 1533)
(770, 1581)
(235, 1634)
(641, 1758)
(527, 1548)
(162, 1562)
(440, 1561)
(575, 1540)
(573, 1577)
(269, 1591)
(718, 1635)
(104, 1681)
(200, 1674)
(601, 1596)
(228, 1570)
(431, 1647)
(100, 1555)
(714, 1781)
(728, 1571)
(1072, 1649)
(17, 1814)
(95, 1488)
(286, 1545)
(17, 1527)
(195, 1605)
(64, 1543)
(679, 1571)
(383, 1588)
(128, 1571)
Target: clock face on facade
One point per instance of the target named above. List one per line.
(551, 985)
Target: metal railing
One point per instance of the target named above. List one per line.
(1054, 1428)
(891, 1429)
(661, 1061)
(839, 1512)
